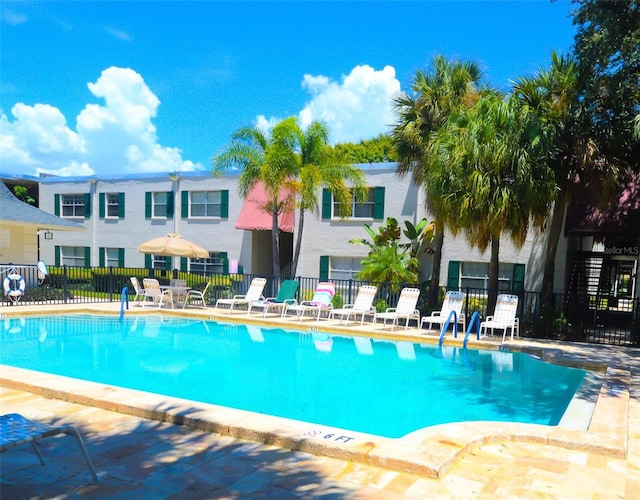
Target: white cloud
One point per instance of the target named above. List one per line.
(358, 107)
(118, 136)
(12, 17)
(118, 34)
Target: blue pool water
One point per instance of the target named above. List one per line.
(378, 387)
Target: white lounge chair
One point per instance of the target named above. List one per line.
(453, 301)
(286, 296)
(321, 301)
(16, 430)
(362, 305)
(197, 295)
(503, 317)
(254, 293)
(158, 296)
(140, 295)
(406, 308)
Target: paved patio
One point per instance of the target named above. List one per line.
(143, 458)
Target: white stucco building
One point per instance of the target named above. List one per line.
(121, 212)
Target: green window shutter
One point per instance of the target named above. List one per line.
(453, 276)
(378, 203)
(87, 205)
(147, 261)
(56, 204)
(184, 205)
(324, 267)
(518, 277)
(147, 204)
(327, 204)
(87, 257)
(56, 251)
(101, 204)
(168, 264)
(225, 262)
(170, 204)
(120, 205)
(224, 204)
(120, 257)
(101, 254)
(184, 264)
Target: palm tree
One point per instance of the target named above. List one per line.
(292, 161)
(550, 102)
(320, 166)
(482, 167)
(270, 159)
(436, 93)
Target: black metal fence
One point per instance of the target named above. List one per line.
(605, 320)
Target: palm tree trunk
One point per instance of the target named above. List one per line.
(494, 265)
(296, 253)
(434, 285)
(275, 243)
(557, 219)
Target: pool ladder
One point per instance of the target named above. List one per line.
(475, 318)
(124, 297)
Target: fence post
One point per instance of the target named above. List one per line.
(65, 291)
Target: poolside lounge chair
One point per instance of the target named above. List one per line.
(321, 301)
(406, 308)
(253, 294)
(158, 296)
(198, 295)
(16, 430)
(503, 317)
(453, 301)
(362, 305)
(286, 296)
(140, 295)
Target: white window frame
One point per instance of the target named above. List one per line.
(214, 264)
(72, 205)
(112, 205)
(157, 205)
(479, 272)
(209, 206)
(72, 256)
(357, 208)
(111, 257)
(159, 262)
(344, 267)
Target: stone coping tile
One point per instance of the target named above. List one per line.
(429, 452)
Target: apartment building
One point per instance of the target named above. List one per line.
(121, 212)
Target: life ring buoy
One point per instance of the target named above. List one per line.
(14, 286)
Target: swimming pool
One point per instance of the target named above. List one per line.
(377, 387)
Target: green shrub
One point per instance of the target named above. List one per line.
(337, 301)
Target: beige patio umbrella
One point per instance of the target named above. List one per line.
(173, 245)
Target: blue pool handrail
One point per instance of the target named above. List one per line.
(446, 324)
(124, 296)
(475, 317)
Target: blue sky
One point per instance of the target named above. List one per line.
(104, 88)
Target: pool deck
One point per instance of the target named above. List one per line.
(140, 452)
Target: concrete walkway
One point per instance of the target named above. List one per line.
(140, 458)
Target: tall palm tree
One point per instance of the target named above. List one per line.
(436, 93)
(320, 166)
(482, 168)
(550, 102)
(292, 161)
(267, 158)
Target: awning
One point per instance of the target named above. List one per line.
(253, 216)
(620, 218)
